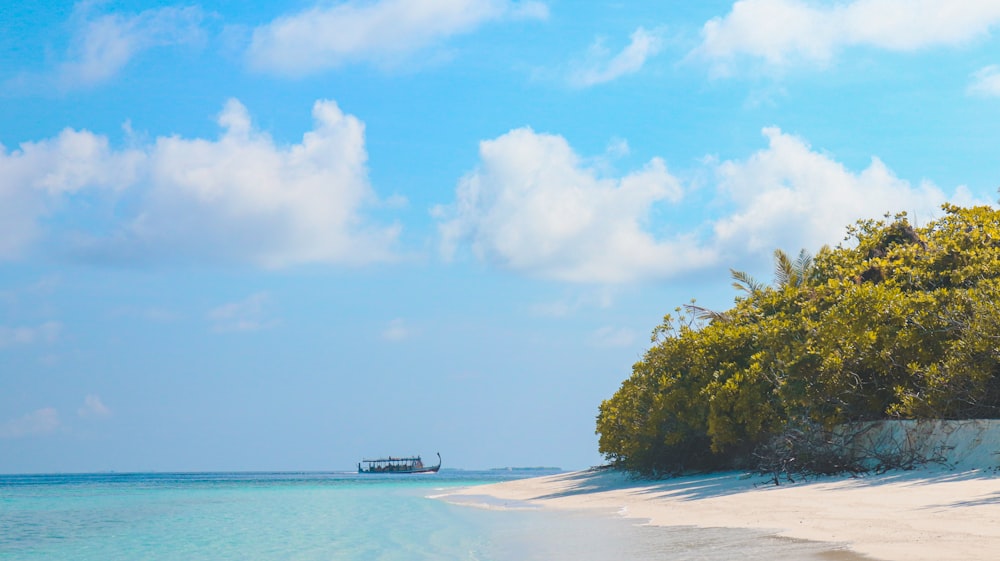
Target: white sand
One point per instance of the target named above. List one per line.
(909, 516)
(932, 514)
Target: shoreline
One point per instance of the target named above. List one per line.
(926, 514)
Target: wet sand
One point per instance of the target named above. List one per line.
(928, 514)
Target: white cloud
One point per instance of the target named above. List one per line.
(240, 198)
(533, 207)
(789, 196)
(105, 44)
(601, 67)
(244, 196)
(37, 423)
(93, 408)
(986, 82)
(38, 175)
(328, 36)
(787, 31)
(397, 330)
(249, 314)
(101, 45)
(47, 332)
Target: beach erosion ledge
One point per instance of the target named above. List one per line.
(946, 508)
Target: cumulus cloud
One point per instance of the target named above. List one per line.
(327, 36)
(37, 176)
(533, 206)
(249, 314)
(47, 332)
(781, 32)
(602, 67)
(790, 196)
(37, 423)
(986, 82)
(238, 198)
(275, 206)
(93, 408)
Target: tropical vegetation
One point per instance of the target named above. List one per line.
(897, 322)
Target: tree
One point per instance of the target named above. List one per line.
(897, 322)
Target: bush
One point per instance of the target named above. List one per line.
(899, 322)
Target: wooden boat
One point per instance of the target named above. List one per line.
(412, 464)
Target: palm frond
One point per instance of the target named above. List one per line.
(803, 265)
(784, 271)
(745, 282)
(704, 314)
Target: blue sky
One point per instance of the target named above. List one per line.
(249, 236)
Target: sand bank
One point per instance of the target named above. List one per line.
(944, 511)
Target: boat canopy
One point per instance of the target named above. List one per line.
(391, 459)
(391, 464)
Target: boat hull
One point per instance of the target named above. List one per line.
(433, 469)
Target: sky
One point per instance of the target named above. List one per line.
(289, 236)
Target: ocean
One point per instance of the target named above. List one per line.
(332, 516)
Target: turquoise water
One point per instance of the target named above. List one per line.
(326, 516)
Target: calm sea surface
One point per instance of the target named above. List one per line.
(329, 516)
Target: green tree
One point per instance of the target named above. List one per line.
(897, 322)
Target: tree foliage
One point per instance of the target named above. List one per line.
(897, 322)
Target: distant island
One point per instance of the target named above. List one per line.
(898, 324)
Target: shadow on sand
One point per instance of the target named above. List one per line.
(708, 485)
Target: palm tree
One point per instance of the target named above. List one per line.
(787, 273)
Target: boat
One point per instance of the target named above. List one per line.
(412, 464)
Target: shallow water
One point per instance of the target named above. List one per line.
(331, 516)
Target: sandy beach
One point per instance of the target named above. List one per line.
(928, 514)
